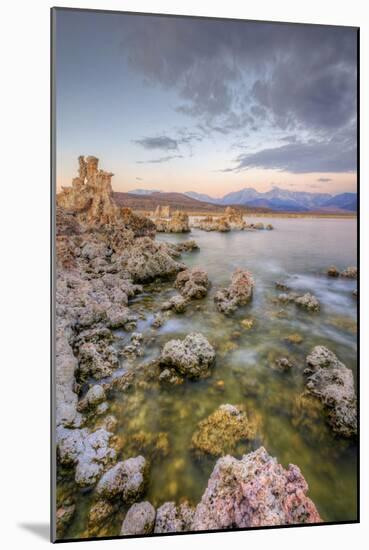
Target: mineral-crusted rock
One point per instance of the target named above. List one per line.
(254, 491)
(177, 303)
(97, 360)
(234, 218)
(350, 272)
(89, 452)
(269, 227)
(139, 520)
(258, 225)
(158, 320)
(282, 364)
(308, 301)
(178, 223)
(126, 478)
(210, 223)
(94, 397)
(192, 283)
(140, 225)
(90, 194)
(239, 293)
(162, 212)
(332, 383)
(192, 357)
(149, 259)
(219, 433)
(64, 516)
(100, 514)
(187, 246)
(174, 519)
(332, 271)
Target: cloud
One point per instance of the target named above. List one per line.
(324, 180)
(333, 155)
(159, 160)
(163, 143)
(225, 72)
(139, 179)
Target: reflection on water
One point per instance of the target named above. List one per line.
(297, 252)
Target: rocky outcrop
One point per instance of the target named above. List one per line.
(139, 520)
(192, 283)
(174, 519)
(176, 303)
(210, 223)
(305, 301)
(126, 479)
(192, 357)
(89, 452)
(162, 211)
(148, 259)
(177, 223)
(254, 491)
(187, 246)
(235, 219)
(332, 271)
(349, 272)
(332, 383)
(219, 433)
(239, 293)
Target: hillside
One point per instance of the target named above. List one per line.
(177, 201)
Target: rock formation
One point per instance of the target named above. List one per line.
(253, 492)
(192, 357)
(177, 223)
(192, 283)
(239, 292)
(332, 383)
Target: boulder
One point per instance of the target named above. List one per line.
(332, 271)
(192, 283)
(126, 479)
(139, 520)
(350, 273)
(308, 301)
(239, 293)
(89, 452)
(177, 303)
(192, 357)
(148, 259)
(254, 491)
(174, 519)
(332, 383)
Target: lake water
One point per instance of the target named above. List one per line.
(297, 252)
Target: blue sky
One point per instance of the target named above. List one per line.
(181, 104)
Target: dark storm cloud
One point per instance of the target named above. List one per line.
(163, 143)
(299, 76)
(159, 160)
(312, 156)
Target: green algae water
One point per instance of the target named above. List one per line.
(297, 253)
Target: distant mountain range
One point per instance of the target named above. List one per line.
(276, 199)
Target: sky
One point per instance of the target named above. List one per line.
(212, 106)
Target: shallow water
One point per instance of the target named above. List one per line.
(297, 252)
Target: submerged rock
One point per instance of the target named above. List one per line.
(308, 301)
(305, 301)
(177, 303)
(332, 383)
(192, 357)
(187, 246)
(174, 519)
(192, 283)
(239, 293)
(125, 479)
(220, 432)
(254, 491)
(282, 364)
(139, 520)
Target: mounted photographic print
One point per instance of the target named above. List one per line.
(204, 277)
